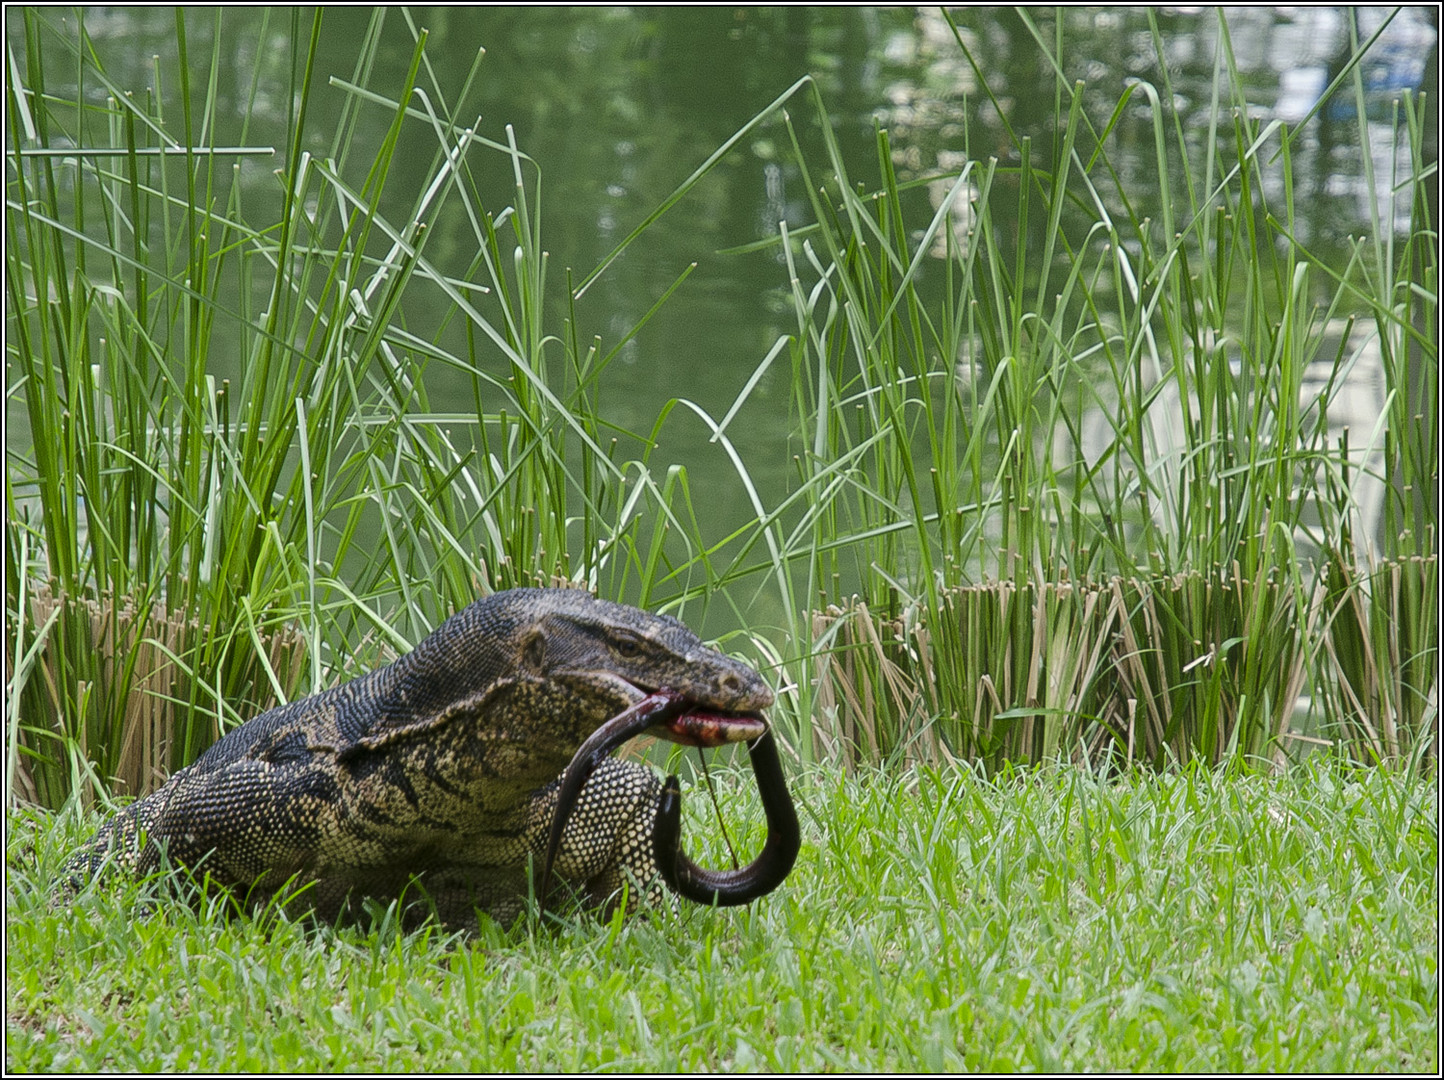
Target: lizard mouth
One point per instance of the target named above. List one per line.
(708, 728)
(671, 716)
(698, 725)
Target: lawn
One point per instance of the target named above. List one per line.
(1048, 920)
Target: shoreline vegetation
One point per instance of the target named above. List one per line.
(1198, 920)
(1107, 666)
(1077, 495)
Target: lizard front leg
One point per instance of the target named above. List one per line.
(607, 842)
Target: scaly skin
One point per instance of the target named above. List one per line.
(441, 768)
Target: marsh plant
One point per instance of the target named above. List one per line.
(1083, 496)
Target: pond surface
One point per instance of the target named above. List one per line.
(618, 106)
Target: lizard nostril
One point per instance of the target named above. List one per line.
(731, 684)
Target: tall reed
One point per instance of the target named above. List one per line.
(207, 546)
(1101, 396)
(1065, 481)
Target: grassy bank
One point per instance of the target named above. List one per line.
(1194, 922)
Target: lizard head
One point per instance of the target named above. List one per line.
(544, 668)
(608, 657)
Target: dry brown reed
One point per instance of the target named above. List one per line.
(1186, 667)
(129, 666)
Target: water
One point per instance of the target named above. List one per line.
(618, 106)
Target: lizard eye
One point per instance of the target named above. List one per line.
(628, 648)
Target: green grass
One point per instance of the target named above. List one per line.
(1051, 920)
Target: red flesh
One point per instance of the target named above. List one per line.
(710, 729)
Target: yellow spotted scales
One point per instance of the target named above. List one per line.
(441, 768)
